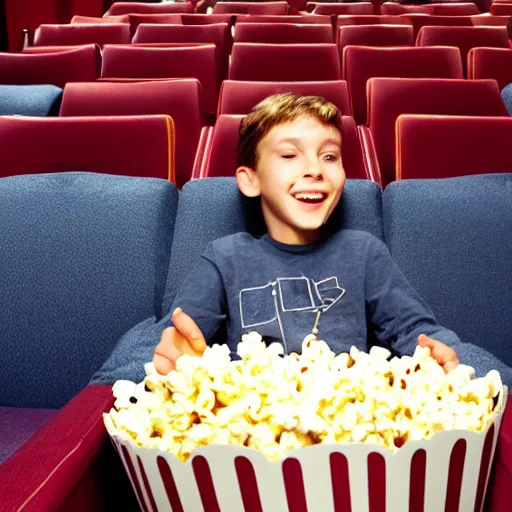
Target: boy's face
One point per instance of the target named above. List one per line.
(299, 176)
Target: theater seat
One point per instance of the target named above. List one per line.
(239, 97)
(120, 8)
(501, 9)
(30, 100)
(420, 20)
(78, 34)
(79, 64)
(361, 63)
(328, 8)
(495, 63)
(218, 34)
(219, 158)
(284, 62)
(267, 18)
(444, 147)
(170, 62)
(371, 19)
(388, 98)
(283, 33)
(124, 18)
(271, 8)
(464, 38)
(375, 35)
(455, 9)
(392, 8)
(128, 146)
(179, 99)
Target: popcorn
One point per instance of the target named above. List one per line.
(275, 403)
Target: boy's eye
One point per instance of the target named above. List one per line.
(288, 156)
(331, 158)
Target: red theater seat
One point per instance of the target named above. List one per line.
(371, 19)
(204, 19)
(218, 34)
(388, 98)
(80, 64)
(283, 33)
(119, 8)
(169, 62)
(464, 38)
(128, 146)
(495, 63)
(487, 20)
(78, 34)
(272, 8)
(361, 63)
(420, 20)
(375, 35)
(445, 147)
(179, 99)
(327, 8)
(239, 97)
(263, 18)
(455, 9)
(219, 158)
(124, 18)
(501, 9)
(396, 9)
(284, 62)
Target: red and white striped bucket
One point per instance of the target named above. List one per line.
(447, 473)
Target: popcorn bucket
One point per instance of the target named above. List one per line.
(448, 472)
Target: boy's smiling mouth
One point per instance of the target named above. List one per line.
(310, 197)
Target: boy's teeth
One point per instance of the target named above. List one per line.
(309, 196)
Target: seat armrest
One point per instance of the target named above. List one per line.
(45, 470)
(206, 133)
(369, 154)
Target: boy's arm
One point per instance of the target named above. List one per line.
(398, 315)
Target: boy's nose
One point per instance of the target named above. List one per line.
(313, 170)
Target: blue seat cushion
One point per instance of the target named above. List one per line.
(17, 425)
(84, 258)
(30, 100)
(453, 240)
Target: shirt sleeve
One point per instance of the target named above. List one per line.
(395, 312)
(203, 297)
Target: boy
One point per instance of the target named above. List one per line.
(300, 277)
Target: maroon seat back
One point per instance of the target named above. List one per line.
(170, 62)
(464, 38)
(218, 34)
(375, 35)
(127, 146)
(488, 21)
(239, 97)
(123, 18)
(78, 34)
(264, 18)
(272, 8)
(283, 33)
(371, 19)
(419, 21)
(455, 9)
(284, 62)
(495, 63)
(395, 9)
(361, 63)
(446, 147)
(206, 19)
(327, 8)
(388, 98)
(120, 8)
(80, 64)
(221, 159)
(501, 9)
(179, 99)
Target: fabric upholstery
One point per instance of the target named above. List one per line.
(130, 146)
(283, 33)
(218, 34)
(501, 9)
(371, 19)
(119, 8)
(239, 97)
(495, 63)
(441, 146)
(488, 20)
(420, 20)
(361, 63)
(284, 62)
(464, 38)
(388, 98)
(250, 8)
(30, 100)
(124, 18)
(220, 158)
(76, 34)
(393, 8)
(327, 8)
(74, 65)
(17, 425)
(84, 258)
(269, 18)
(507, 97)
(179, 62)
(452, 239)
(179, 99)
(455, 9)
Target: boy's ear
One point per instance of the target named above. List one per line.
(247, 181)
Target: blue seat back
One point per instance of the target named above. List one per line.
(83, 258)
(30, 100)
(453, 240)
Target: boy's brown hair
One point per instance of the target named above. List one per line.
(275, 110)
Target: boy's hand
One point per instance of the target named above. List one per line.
(443, 354)
(184, 338)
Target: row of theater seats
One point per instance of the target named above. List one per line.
(163, 134)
